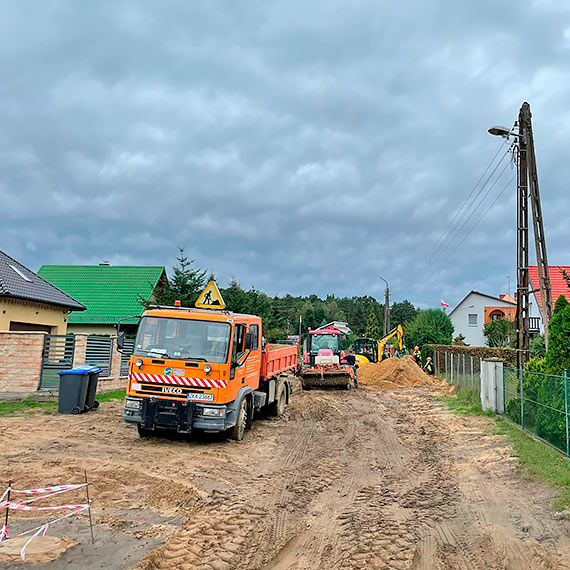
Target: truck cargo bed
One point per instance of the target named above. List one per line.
(278, 358)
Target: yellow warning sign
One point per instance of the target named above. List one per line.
(210, 298)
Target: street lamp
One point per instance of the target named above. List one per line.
(386, 308)
(500, 131)
(527, 187)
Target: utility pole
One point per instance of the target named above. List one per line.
(386, 308)
(527, 185)
(538, 224)
(522, 317)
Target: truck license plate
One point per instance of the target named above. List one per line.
(200, 397)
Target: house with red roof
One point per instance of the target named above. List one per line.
(557, 284)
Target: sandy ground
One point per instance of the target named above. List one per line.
(368, 478)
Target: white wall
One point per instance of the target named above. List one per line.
(473, 304)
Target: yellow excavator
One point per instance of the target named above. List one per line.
(398, 331)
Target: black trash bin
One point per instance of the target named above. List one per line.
(73, 386)
(93, 372)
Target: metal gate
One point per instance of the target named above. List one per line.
(99, 352)
(126, 356)
(57, 355)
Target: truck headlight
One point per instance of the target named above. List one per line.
(207, 369)
(213, 412)
(139, 362)
(133, 404)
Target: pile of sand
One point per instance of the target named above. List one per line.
(394, 373)
(41, 549)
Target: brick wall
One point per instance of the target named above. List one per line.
(20, 361)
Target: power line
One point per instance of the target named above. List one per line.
(457, 226)
(481, 217)
(487, 210)
(445, 234)
(473, 211)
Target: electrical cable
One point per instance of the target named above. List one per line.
(476, 223)
(473, 212)
(453, 223)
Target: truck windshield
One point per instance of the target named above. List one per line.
(185, 339)
(319, 341)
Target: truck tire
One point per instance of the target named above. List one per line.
(277, 407)
(144, 432)
(238, 431)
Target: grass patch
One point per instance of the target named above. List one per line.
(30, 406)
(111, 396)
(539, 460)
(466, 403)
(26, 406)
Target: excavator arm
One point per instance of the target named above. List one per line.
(398, 331)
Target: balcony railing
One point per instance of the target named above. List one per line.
(534, 324)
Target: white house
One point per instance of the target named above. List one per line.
(476, 309)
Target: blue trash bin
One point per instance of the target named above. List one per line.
(93, 372)
(73, 386)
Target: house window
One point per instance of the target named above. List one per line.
(472, 319)
(497, 315)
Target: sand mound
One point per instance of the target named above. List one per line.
(41, 549)
(394, 373)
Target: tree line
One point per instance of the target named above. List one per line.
(281, 315)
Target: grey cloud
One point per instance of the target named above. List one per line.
(299, 147)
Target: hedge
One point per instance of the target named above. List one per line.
(507, 355)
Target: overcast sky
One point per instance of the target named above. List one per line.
(302, 147)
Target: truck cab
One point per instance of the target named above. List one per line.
(203, 369)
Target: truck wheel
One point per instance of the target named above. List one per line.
(144, 432)
(238, 430)
(277, 407)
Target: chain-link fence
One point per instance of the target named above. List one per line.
(539, 403)
(461, 370)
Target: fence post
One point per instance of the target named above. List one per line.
(522, 395)
(458, 360)
(566, 410)
(464, 370)
(451, 367)
(472, 377)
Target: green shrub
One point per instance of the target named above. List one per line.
(431, 326)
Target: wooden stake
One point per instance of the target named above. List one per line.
(89, 509)
(7, 509)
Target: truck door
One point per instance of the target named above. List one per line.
(253, 363)
(238, 352)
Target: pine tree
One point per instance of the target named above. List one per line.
(185, 284)
(372, 326)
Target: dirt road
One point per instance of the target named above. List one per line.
(358, 479)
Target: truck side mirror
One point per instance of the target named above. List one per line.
(120, 340)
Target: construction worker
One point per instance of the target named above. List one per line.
(350, 359)
(429, 368)
(417, 356)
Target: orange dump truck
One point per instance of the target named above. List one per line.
(206, 370)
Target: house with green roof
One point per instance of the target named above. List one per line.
(110, 293)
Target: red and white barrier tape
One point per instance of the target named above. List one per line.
(57, 488)
(22, 507)
(43, 493)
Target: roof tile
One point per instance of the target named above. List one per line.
(110, 293)
(19, 282)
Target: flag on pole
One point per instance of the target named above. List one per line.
(444, 304)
